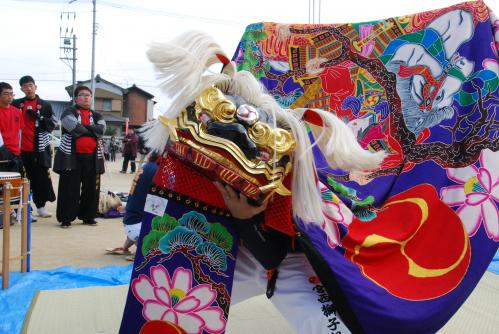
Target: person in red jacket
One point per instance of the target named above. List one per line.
(10, 128)
(36, 153)
(79, 161)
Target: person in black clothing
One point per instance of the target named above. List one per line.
(134, 211)
(129, 151)
(79, 161)
(36, 154)
(113, 147)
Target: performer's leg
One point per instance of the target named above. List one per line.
(69, 194)
(297, 293)
(90, 190)
(41, 186)
(30, 169)
(47, 183)
(132, 166)
(126, 158)
(302, 300)
(28, 162)
(250, 278)
(40, 182)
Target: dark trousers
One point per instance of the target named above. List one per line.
(113, 155)
(125, 163)
(40, 182)
(71, 202)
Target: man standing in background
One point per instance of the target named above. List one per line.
(130, 151)
(113, 147)
(79, 161)
(36, 154)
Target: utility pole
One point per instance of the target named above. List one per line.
(314, 12)
(74, 66)
(68, 46)
(92, 72)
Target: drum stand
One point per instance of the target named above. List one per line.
(7, 206)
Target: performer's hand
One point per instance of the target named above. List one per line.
(238, 203)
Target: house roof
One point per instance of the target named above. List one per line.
(139, 90)
(59, 106)
(113, 119)
(110, 87)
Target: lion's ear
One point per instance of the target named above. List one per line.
(223, 59)
(312, 117)
(337, 142)
(181, 64)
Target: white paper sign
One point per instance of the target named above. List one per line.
(155, 205)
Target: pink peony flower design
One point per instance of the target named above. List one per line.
(476, 195)
(175, 300)
(336, 212)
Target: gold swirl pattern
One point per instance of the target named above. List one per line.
(284, 141)
(213, 102)
(261, 134)
(224, 111)
(277, 139)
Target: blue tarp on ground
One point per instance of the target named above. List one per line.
(15, 301)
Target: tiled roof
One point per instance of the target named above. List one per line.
(115, 119)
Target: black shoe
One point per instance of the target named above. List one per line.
(65, 224)
(90, 222)
(122, 172)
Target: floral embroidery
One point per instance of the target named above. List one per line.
(476, 194)
(207, 246)
(336, 213)
(174, 299)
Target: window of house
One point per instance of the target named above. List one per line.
(107, 105)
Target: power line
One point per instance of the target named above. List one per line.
(141, 9)
(41, 1)
(107, 71)
(38, 79)
(166, 13)
(34, 73)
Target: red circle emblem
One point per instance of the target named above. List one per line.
(417, 248)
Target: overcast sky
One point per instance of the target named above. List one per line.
(30, 31)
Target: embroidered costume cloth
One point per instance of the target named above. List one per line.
(401, 246)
